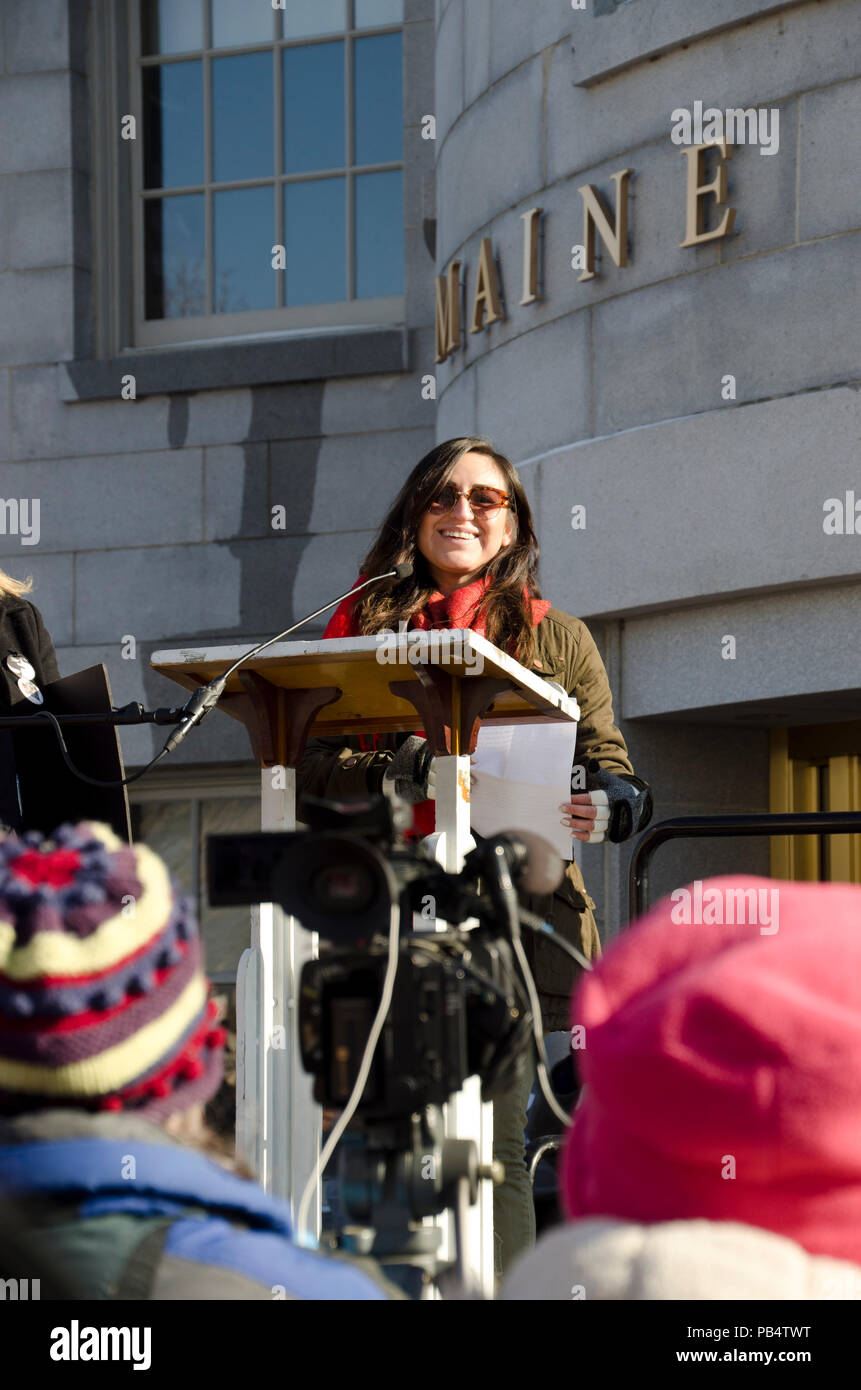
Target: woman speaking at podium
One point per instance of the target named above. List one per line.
(463, 521)
(28, 663)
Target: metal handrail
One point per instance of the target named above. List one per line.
(697, 827)
(550, 1142)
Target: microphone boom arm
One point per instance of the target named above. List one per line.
(206, 697)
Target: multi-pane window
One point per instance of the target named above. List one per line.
(270, 163)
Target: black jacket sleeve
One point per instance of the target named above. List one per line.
(45, 647)
(337, 767)
(22, 629)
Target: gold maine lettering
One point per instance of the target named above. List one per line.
(610, 224)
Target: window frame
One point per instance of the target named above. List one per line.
(143, 333)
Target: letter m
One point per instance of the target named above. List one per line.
(736, 121)
(448, 332)
(741, 906)
(115, 1343)
(9, 1289)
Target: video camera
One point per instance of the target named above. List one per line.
(458, 1008)
(454, 999)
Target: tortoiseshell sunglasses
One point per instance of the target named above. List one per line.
(480, 499)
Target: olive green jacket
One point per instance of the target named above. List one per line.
(333, 767)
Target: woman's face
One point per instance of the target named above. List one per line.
(459, 543)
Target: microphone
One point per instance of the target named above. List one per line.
(531, 861)
(536, 868)
(535, 865)
(512, 860)
(207, 696)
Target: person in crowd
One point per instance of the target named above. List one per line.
(28, 663)
(463, 521)
(715, 1152)
(109, 1050)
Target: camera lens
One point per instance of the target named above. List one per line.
(335, 885)
(342, 888)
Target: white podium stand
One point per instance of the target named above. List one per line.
(447, 686)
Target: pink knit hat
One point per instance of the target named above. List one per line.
(103, 999)
(722, 1065)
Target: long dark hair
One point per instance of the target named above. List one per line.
(508, 621)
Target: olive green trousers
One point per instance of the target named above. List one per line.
(513, 1209)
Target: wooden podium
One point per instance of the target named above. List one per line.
(446, 683)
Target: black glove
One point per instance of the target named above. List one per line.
(628, 800)
(410, 769)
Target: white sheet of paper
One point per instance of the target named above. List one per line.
(523, 774)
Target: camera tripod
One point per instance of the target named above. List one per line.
(392, 1175)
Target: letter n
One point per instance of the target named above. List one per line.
(596, 215)
(448, 312)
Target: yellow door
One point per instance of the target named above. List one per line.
(817, 768)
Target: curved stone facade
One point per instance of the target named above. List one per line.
(699, 402)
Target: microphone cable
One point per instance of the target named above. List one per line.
(303, 1235)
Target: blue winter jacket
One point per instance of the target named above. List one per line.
(98, 1196)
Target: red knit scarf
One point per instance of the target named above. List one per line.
(456, 610)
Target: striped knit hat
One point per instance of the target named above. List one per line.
(103, 999)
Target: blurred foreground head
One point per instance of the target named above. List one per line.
(722, 1064)
(103, 999)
